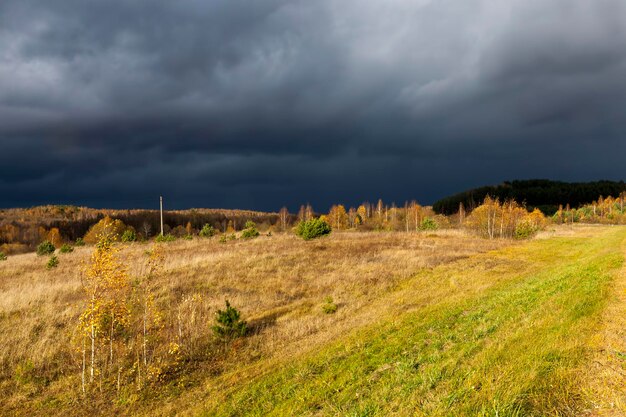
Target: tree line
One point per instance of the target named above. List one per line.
(22, 230)
(543, 194)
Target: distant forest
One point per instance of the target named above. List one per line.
(545, 195)
(22, 229)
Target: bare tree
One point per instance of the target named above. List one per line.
(147, 229)
(379, 209)
(352, 217)
(461, 213)
(406, 215)
(302, 213)
(308, 213)
(283, 215)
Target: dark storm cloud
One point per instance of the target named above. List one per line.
(255, 104)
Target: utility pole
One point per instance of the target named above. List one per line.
(161, 201)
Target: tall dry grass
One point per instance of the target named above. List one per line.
(279, 283)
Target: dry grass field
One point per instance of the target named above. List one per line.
(378, 281)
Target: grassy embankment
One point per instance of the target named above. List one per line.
(519, 348)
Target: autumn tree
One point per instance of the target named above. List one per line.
(361, 212)
(337, 217)
(106, 285)
(107, 226)
(505, 220)
(54, 236)
(414, 216)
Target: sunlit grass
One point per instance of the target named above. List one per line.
(431, 324)
(511, 351)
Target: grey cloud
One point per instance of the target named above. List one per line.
(265, 102)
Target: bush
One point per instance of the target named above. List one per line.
(525, 230)
(226, 238)
(188, 237)
(207, 231)
(250, 231)
(3, 257)
(428, 224)
(329, 307)
(53, 262)
(129, 235)
(65, 248)
(229, 323)
(79, 242)
(312, 229)
(165, 238)
(45, 248)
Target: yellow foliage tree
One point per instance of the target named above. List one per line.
(361, 212)
(337, 217)
(105, 227)
(505, 220)
(54, 237)
(106, 285)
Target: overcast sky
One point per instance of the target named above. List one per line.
(257, 104)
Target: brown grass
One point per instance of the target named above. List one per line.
(279, 283)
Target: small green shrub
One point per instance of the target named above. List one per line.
(525, 230)
(329, 306)
(45, 248)
(428, 224)
(53, 262)
(229, 323)
(188, 237)
(207, 231)
(226, 238)
(312, 229)
(250, 231)
(79, 242)
(165, 238)
(3, 257)
(129, 235)
(65, 248)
